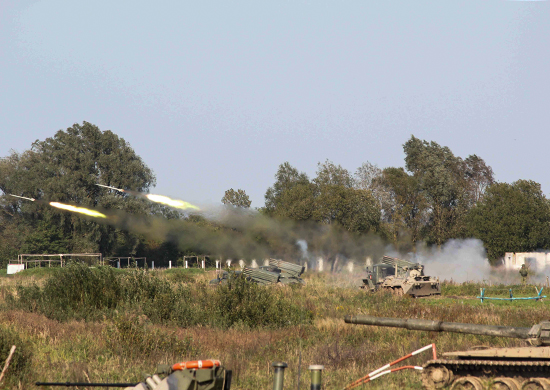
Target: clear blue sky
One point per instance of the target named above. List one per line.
(214, 95)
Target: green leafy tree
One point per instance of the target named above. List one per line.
(441, 178)
(338, 202)
(450, 185)
(66, 168)
(329, 174)
(331, 198)
(237, 198)
(479, 177)
(511, 218)
(291, 196)
(404, 207)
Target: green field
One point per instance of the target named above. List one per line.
(82, 324)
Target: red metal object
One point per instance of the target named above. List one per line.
(386, 369)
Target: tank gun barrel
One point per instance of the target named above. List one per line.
(440, 326)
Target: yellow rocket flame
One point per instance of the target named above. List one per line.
(179, 204)
(81, 210)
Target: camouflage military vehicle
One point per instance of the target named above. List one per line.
(277, 271)
(401, 277)
(525, 368)
(195, 375)
(190, 375)
(289, 273)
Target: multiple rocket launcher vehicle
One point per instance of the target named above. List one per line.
(277, 272)
(401, 277)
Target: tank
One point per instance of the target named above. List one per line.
(525, 368)
(401, 277)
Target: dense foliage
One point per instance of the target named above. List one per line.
(236, 198)
(83, 293)
(435, 197)
(66, 168)
(514, 216)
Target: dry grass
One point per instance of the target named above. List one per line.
(81, 351)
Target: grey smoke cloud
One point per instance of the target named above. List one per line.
(457, 260)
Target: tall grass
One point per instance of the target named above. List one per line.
(21, 359)
(156, 319)
(83, 293)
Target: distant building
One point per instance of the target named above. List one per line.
(536, 261)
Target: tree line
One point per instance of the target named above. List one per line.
(435, 197)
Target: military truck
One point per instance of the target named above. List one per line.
(526, 368)
(401, 277)
(276, 272)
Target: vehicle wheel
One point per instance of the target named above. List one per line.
(436, 377)
(398, 291)
(505, 384)
(536, 384)
(467, 383)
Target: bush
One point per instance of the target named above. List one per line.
(79, 292)
(75, 292)
(252, 305)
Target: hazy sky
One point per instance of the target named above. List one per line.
(214, 95)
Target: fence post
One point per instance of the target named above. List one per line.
(152, 264)
(186, 265)
(169, 264)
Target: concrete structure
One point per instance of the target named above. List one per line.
(536, 261)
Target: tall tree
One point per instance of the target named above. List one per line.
(330, 174)
(338, 202)
(441, 178)
(511, 218)
(237, 198)
(66, 168)
(404, 206)
(291, 196)
(479, 177)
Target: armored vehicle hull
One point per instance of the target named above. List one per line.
(401, 277)
(420, 286)
(524, 368)
(502, 369)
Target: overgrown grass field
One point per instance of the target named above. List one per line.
(106, 325)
